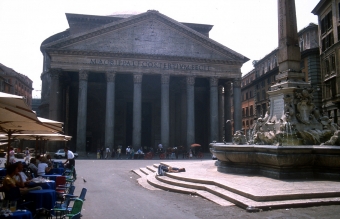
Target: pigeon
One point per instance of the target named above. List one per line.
(84, 180)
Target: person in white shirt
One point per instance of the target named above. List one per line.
(70, 161)
(27, 156)
(43, 167)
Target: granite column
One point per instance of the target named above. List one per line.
(213, 109)
(227, 112)
(110, 109)
(165, 111)
(82, 112)
(190, 110)
(55, 94)
(137, 111)
(237, 104)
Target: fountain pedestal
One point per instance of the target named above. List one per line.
(279, 162)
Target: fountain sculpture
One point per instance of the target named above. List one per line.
(292, 140)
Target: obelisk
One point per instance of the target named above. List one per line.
(289, 55)
(290, 79)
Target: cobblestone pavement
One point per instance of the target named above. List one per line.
(113, 192)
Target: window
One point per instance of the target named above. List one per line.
(250, 94)
(333, 63)
(327, 41)
(301, 44)
(326, 23)
(243, 112)
(247, 111)
(251, 111)
(258, 96)
(327, 66)
(247, 96)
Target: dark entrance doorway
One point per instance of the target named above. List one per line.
(146, 124)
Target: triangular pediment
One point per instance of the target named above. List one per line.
(148, 33)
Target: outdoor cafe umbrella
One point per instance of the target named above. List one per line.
(195, 145)
(16, 117)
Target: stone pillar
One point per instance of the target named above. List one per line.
(137, 111)
(110, 110)
(227, 112)
(55, 94)
(237, 104)
(82, 112)
(165, 111)
(183, 122)
(190, 110)
(221, 120)
(213, 109)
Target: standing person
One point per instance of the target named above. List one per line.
(11, 156)
(70, 161)
(102, 153)
(119, 152)
(132, 153)
(107, 153)
(27, 155)
(128, 152)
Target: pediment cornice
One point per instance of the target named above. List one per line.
(59, 44)
(140, 56)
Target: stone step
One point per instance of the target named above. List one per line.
(204, 190)
(145, 170)
(139, 173)
(315, 194)
(152, 169)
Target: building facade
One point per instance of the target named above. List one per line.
(328, 12)
(139, 80)
(13, 82)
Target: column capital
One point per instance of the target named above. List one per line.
(213, 81)
(83, 75)
(190, 80)
(55, 73)
(165, 78)
(110, 76)
(237, 83)
(137, 78)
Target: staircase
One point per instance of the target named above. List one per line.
(226, 195)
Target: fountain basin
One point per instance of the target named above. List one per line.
(279, 162)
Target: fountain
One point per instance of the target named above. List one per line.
(292, 140)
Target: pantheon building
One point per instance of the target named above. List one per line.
(140, 80)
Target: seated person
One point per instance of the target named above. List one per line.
(21, 176)
(33, 168)
(43, 167)
(10, 181)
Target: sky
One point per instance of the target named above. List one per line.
(248, 27)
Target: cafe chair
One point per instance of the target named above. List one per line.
(76, 208)
(69, 193)
(76, 216)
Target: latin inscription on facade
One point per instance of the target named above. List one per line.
(148, 64)
(278, 108)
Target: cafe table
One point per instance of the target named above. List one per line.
(51, 176)
(19, 214)
(45, 184)
(43, 199)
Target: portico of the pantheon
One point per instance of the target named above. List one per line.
(139, 80)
